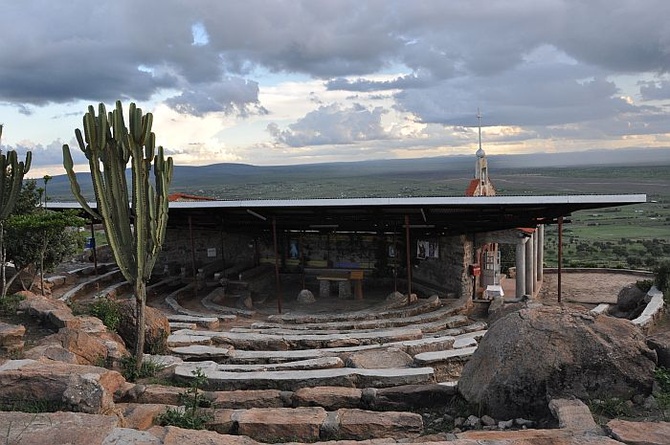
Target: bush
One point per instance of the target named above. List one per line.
(662, 376)
(129, 370)
(662, 273)
(108, 311)
(190, 416)
(10, 304)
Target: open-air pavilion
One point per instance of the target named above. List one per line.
(330, 239)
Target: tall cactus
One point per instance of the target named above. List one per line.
(11, 180)
(109, 145)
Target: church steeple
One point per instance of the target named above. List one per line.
(480, 186)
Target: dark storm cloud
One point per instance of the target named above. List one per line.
(56, 52)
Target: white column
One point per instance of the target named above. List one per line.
(520, 261)
(540, 252)
(530, 254)
(534, 262)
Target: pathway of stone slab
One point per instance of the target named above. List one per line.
(306, 378)
(378, 363)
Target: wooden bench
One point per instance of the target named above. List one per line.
(357, 277)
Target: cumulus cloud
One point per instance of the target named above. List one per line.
(232, 95)
(332, 124)
(655, 90)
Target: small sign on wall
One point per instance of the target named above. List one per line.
(211, 252)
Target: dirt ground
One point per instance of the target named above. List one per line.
(590, 288)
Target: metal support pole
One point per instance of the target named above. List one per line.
(560, 256)
(409, 259)
(277, 281)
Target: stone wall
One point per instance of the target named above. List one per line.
(446, 272)
(449, 272)
(209, 246)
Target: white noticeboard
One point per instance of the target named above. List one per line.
(211, 252)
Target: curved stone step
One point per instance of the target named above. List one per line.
(239, 356)
(315, 363)
(468, 339)
(203, 322)
(91, 285)
(209, 304)
(292, 380)
(373, 313)
(253, 341)
(441, 323)
(331, 398)
(172, 302)
(448, 364)
(382, 323)
(206, 351)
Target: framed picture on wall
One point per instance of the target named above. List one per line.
(427, 249)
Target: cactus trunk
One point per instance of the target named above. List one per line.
(11, 181)
(134, 222)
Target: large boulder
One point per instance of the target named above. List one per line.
(83, 347)
(88, 389)
(156, 324)
(11, 339)
(543, 352)
(660, 343)
(630, 302)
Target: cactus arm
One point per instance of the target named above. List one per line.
(68, 163)
(11, 172)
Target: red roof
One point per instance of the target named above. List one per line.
(470, 191)
(186, 197)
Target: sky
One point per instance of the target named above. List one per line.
(308, 81)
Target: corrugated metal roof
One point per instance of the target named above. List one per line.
(453, 215)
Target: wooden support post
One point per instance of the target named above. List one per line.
(560, 256)
(277, 281)
(409, 259)
(193, 267)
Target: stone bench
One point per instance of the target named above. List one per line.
(251, 341)
(90, 285)
(292, 380)
(171, 301)
(431, 314)
(343, 285)
(417, 322)
(314, 363)
(373, 313)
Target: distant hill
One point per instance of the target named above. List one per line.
(446, 175)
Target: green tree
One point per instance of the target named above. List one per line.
(134, 222)
(11, 179)
(42, 239)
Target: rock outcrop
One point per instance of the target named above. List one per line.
(157, 327)
(544, 352)
(11, 339)
(88, 389)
